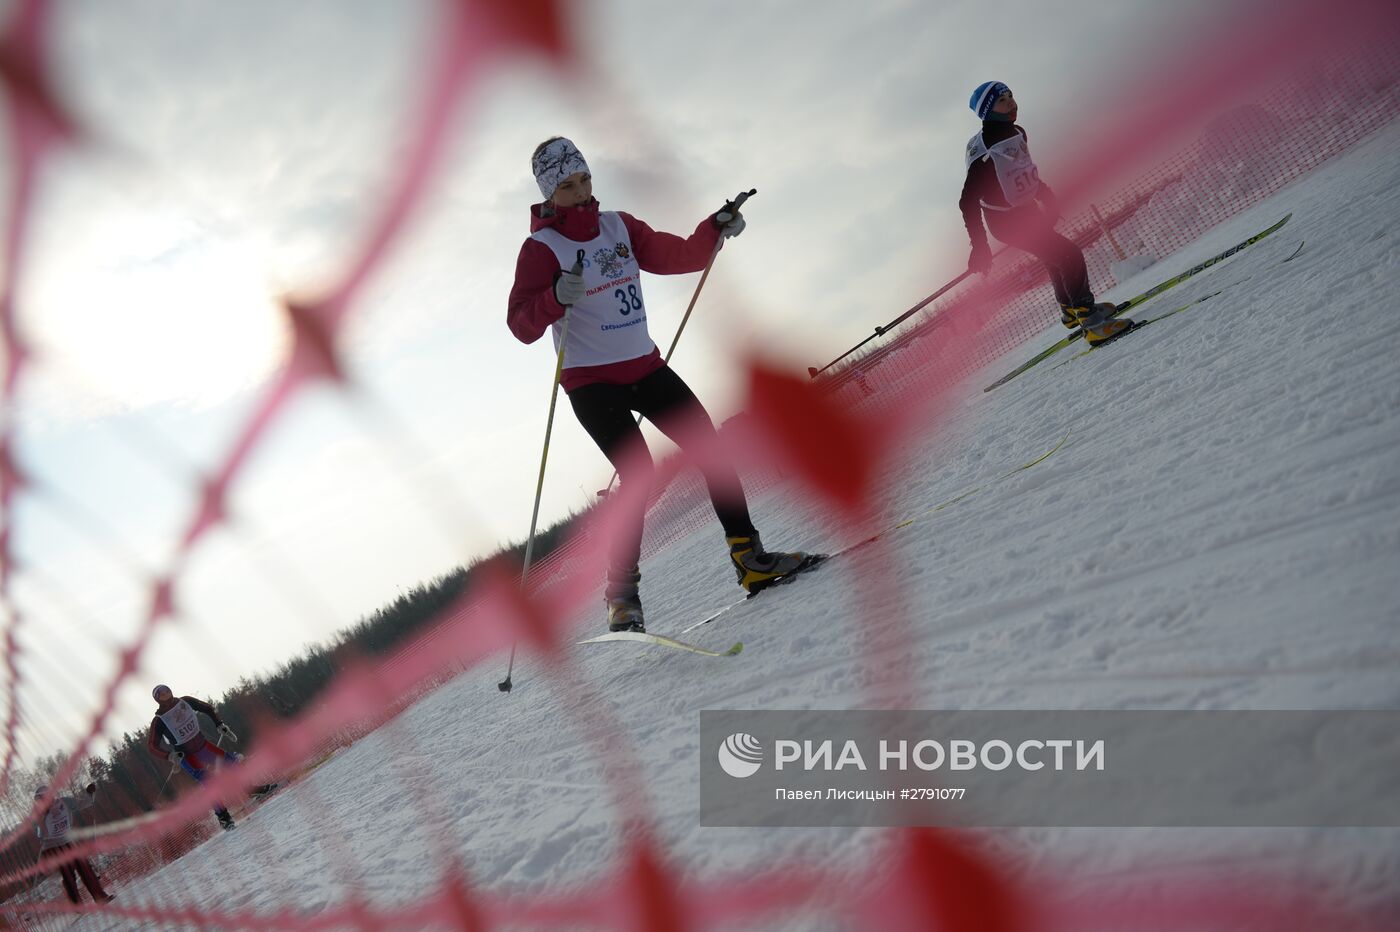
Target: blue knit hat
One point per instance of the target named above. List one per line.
(985, 97)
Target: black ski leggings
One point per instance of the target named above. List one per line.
(1027, 228)
(605, 411)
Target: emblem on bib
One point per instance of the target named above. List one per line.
(611, 259)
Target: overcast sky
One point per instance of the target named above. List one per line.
(236, 150)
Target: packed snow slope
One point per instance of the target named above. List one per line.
(1220, 531)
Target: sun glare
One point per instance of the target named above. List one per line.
(155, 312)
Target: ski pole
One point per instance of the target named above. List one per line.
(733, 205)
(173, 768)
(881, 331)
(813, 372)
(504, 685)
(733, 208)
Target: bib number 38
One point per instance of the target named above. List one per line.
(630, 300)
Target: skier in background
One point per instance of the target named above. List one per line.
(1004, 184)
(176, 736)
(55, 822)
(611, 366)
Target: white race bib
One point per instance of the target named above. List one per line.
(182, 722)
(610, 323)
(1016, 172)
(56, 825)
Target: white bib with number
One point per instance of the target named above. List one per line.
(1019, 178)
(610, 323)
(181, 721)
(54, 830)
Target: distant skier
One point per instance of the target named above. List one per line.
(176, 735)
(611, 366)
(1004, 184)
(55, 823)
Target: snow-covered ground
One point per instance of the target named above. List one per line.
(1220, 531)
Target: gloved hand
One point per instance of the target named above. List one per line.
(730, 222)
(227, 731)
(728, 219)
(980, 260)
(568, 287)
(175, 756)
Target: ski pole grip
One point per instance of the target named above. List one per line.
(578, 264)
(739, 199)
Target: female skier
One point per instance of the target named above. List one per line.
(611, 366)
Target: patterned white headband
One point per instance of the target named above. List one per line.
(555, 162)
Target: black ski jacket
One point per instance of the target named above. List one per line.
(982, 185)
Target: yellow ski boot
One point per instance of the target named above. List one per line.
(1098, 322)
(758, 569)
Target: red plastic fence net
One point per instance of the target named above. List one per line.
(1304, 86)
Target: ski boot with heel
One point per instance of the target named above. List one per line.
(757, 569)
(624, 603)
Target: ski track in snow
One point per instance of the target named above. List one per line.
(1221, 531)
